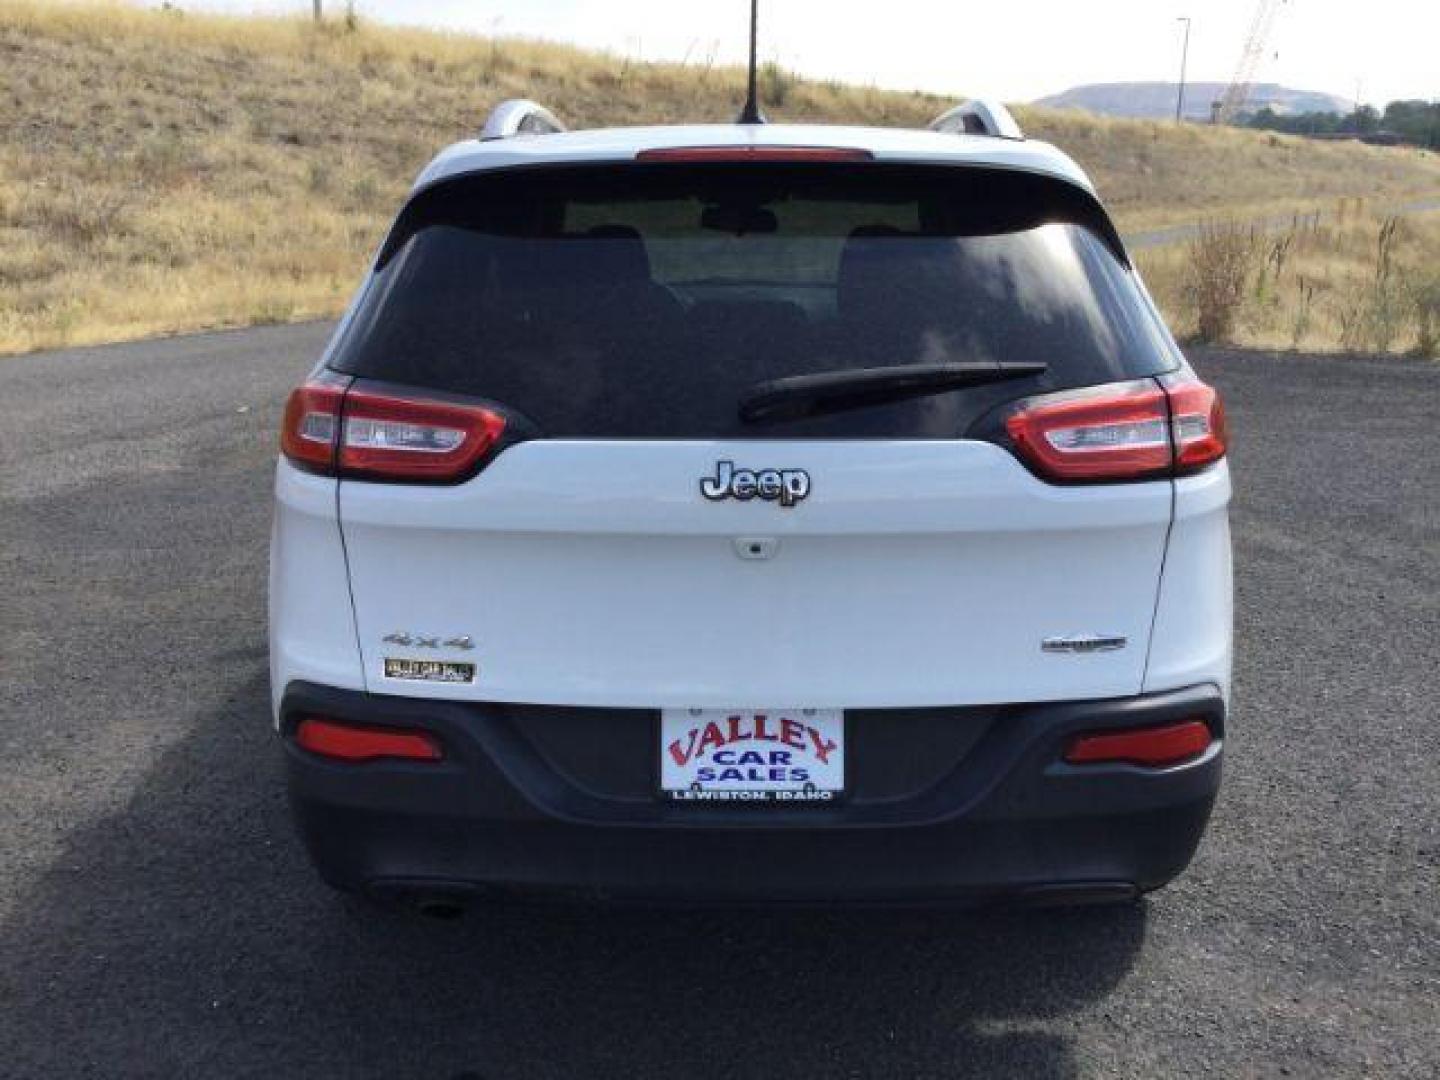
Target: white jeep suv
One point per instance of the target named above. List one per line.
(753, 512)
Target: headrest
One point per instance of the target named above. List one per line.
(618, 259)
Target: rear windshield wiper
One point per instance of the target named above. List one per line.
(798, 396)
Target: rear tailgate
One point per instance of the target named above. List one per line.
(593, 572)
(619, 317)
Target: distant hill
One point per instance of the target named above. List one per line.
(1156, 100)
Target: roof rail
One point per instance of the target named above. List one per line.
(980, 116)
(519, 117)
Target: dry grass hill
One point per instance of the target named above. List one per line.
(162, 170)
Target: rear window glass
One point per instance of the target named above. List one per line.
(644, 300)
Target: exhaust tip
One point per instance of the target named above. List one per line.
(1079, 894)
(440, 908)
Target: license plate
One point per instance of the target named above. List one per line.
(741, 755)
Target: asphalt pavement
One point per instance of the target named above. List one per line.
(158, 917)
(1187, 231)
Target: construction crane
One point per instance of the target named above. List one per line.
(1238, 92)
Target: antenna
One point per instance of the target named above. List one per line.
(750, 112)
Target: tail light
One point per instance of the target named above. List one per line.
(365, 435)
(1197, 423)
(310, 430)
(400, 438)
(1154, 747)
(354, 742)
(1121, 431)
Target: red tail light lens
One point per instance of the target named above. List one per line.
(363, 435)
(1117, 432)
(1197, 421)
(309, 431)
(755, 153)
(1122, 431)
(396, 438)
(1155, 747)
(352, 742)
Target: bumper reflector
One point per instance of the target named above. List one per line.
(1155, 747)
(349, 742)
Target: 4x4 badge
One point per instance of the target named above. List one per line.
(428, 641)
(785, 486)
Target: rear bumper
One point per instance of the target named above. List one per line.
(1001, 817)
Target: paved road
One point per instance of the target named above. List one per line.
(157, 917)
(1179, 234)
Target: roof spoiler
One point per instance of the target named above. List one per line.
(519, 117)
(979, 116)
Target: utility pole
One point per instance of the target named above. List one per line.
(317, 10)
(1184, 57)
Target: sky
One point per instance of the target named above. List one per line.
(1016, 50)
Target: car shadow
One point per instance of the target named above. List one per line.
(185, 935)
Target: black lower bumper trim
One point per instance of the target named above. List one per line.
(1009, 821)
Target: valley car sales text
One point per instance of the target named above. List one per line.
(733, 764)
